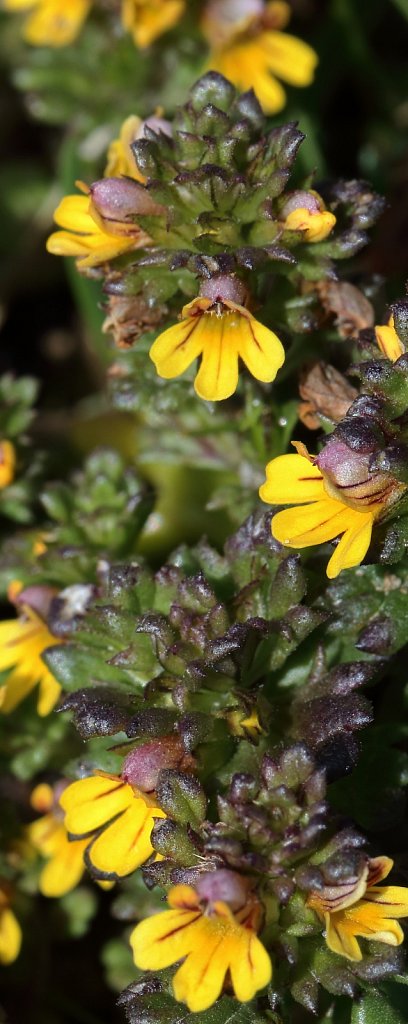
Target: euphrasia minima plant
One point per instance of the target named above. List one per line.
(236, 786)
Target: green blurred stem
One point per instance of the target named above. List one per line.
(402, 6)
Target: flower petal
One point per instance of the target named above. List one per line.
(56, 22)
(303, 526)
(161, 940)
(14, 634)
(217, 377)
(45, 834)
(246, 66)
(354, 544)
(288, 57)
(260, 349)
(315, 226)
(120, 159)
(177, 347)
(183, 897)
(17, 687)
(94, 249)
(65, 868)
(378, 868)
(388, 342)
(48, 694)
(392, 899)
(125, 844)
(373, 921)
(92, 802)
(10, 936)
(291, 479)
(148, 19)
(199, 980)
(42, 798)
(340, 937)
(250, 966)
(73, 214)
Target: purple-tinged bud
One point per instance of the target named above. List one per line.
(347, 477)
(223, 19)
(232, 12)
(156, 124)
(117, 202)
(227, 886)
(224, 288)
(68, 606)
(305, 211)
(142, 767)
(37, 597)
(302, 200)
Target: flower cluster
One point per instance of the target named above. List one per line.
(245, 38)
(131, 224)
(220, 696)
(58, 22)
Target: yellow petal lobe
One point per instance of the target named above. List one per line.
(92, 802)
(10, 936)
(291, 479)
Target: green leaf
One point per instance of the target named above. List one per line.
(375, 1008)
(160, 1008)
(75, 667)
(182, 797)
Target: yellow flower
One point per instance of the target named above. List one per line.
(245, 723)
(52, 22)
(325, 509)
(22, 642)
(388, 341)
(221, 333)
(124, 814)
(10, 931)
(305, 211)
(65, 860)
(86, 239)
(120, 157)
(251, 50)
(363, 910)
(315, 226)
(213, 940)
(7, 463)
(148, 19)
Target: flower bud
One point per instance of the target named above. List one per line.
(305, 211)
(156, 124)
(37, 597)
(117, 202)
(7, 463)
(233, 11)
(223, 885)
(143, 765)
(224, 288)
(348, 478)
